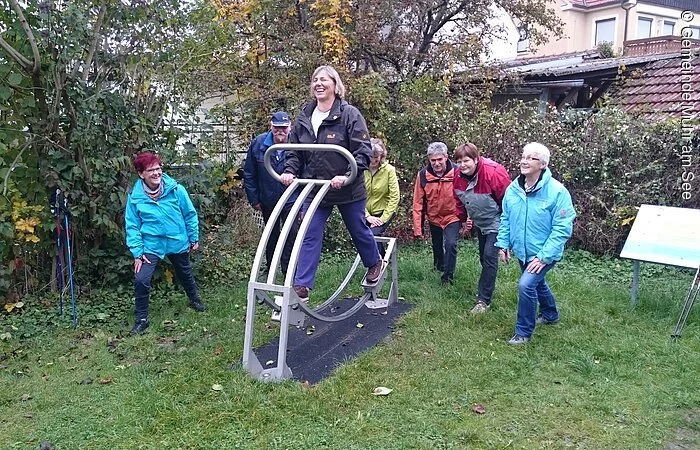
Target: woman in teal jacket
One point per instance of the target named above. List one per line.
(536, 222)
(160, 221)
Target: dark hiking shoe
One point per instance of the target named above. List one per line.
(302, 292)
(139, 327)
(446, 282)
(374, 272)
(198, 306)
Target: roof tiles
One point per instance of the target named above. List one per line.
(656, 91)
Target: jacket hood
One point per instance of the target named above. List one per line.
(168, 185)
(544, 178)
(338, 105)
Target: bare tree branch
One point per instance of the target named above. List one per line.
(30, 36)
(17, 56)
(93, 45)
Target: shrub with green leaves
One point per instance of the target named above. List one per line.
(610, 161)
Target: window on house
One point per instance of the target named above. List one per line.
(644, 27)
(696, 32)
(668, 27)
(604, 31)
(523, 39)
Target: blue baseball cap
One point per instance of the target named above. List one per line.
(281, 119)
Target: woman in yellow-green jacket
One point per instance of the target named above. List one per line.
(382, 191)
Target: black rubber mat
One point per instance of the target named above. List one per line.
(313, 352)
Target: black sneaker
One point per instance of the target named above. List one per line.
(446, 282)
(374, 272)
(139, 327)
(542, 321)
(198, 306)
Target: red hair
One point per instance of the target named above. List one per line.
(144, 160)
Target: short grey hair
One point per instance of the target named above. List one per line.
(437, 148)
(333, 75)
(541, 151)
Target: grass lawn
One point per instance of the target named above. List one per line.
(606, 377)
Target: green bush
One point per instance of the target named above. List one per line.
(610, 161)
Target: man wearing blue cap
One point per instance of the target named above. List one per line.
(263, 191)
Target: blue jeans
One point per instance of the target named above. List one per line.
(488, 257)
(142, 281)
(533, 289)
(445, 248)
(353, 215)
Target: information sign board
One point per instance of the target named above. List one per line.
(665, 235)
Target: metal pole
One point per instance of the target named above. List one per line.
(70, 265)
(635, 283)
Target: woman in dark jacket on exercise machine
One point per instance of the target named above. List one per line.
(329, 119)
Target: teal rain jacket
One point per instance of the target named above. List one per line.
(539, 223)
(166, 226)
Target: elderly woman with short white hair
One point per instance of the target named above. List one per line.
(536, 223)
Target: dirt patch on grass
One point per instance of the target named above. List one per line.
(687, 437)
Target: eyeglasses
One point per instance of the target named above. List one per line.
(153, 170)
(529, 158)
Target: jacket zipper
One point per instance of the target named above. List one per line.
(525, 227)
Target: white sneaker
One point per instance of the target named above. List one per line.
(518, 340)
(480, 307)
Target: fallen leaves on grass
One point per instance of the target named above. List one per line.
(105, 380)
(381, 390)
(10, 306)
(478, 408)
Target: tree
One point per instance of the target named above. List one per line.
(407, 38)
(418, 36)
(83, 85)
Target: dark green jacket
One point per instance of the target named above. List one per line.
(344, 126)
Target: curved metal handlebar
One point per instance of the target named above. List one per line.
(311, 147)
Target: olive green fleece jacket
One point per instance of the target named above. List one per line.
(382, 192)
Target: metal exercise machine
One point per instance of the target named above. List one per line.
(286, 305)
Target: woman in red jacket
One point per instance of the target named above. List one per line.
(479, 188)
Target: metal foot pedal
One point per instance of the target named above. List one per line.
(277, 315)
(367, 284)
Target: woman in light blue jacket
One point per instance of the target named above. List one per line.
(536, 222)
(160, 221)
